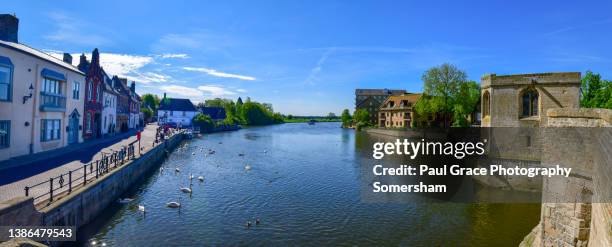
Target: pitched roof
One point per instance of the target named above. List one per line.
(172, 104)
(397, 99)
(39, 54)
(215, 113)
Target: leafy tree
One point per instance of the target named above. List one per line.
(346, 118)
(150, 100)
(362, 118)
(465, 103)
(331, 115)
(289, 116)
(204, 122)
(148, 113)
(595, 92)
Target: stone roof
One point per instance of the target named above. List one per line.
(40, 55)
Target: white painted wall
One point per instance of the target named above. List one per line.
(183, 117)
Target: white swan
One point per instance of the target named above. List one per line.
(185, 190)
(141, 208)
(125, 200)
(191, 176)
(201, 178)
(247, 167)
(174, 204)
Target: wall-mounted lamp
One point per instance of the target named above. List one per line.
(26, 97)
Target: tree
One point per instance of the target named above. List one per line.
(147, 112)
(204, 122)
(346, 118)
(331, 115)
(443, 84)
(595, 92)
(362, 117)
(466, 102)
(150, 100)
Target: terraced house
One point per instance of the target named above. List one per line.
(92, 120)
(41, 97)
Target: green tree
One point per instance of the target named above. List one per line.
(331, 115)
(148, 113)
(204, 122)
(150, 100)
(346, 118)
(447, 91)
(595, 92)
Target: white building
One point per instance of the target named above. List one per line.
(41, 97)
(109, 107)
(176, 111)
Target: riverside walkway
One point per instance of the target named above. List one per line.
(73, 160)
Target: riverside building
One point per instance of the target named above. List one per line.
(397, 111)
(41, 97)
(371, 99)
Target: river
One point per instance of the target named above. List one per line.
(304, 186)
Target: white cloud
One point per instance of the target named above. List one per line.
(216, 91)
(314, 72)
(174, 55)
(71, 30)
(182, 91)
(122, 65)
(240, 90)
(219, 73)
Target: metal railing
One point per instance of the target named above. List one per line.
(66, 183)
(49, 101)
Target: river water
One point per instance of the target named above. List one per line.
(304, 186)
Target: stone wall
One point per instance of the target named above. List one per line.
(19, 211)
(577, 211)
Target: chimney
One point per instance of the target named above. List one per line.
(67, 58)
(83, 63)
(9, 27)
(95, 57)
(164, 95)
(133, 87)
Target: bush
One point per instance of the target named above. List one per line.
(203, 122)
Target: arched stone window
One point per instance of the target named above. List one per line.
(529, 106)
(486, 104)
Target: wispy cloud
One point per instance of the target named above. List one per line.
(74, 31)
(174, 55)
(216, 73)
(216, 91)
(314, 72)
(124, 65)
(572, 28)
(182, 90)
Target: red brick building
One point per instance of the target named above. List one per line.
(94, 76)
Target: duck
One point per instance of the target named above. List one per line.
(240, 154)
(177, 170)
(125, 200)
(265, 151)
(191, 176)
(141, 208)
(201, 178)
(257, 221)
(247, 167)
(161, 169)
(193, 153)
(248, 223)
(185, 190)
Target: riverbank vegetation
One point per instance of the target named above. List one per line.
(331, 117)
(245, 113)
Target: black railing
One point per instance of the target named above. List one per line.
(65, 183)
(50, 102)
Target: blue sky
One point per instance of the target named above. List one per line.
(307, 57)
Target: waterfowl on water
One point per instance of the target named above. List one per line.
(177, 170)
(247, 167)
(191, 177)
(141, 208)
(193, 153)
(248, 223)
(257, 221)
(173, 205)
(125, 200)
(185, 190)
(240, 154)
(201, 178)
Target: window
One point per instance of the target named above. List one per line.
(50, 129)
(486, 104)
(6, 77)
(5, 133)
(88, 122)
(51, 86)
(76, 89)
(530, 103)
(89, 90)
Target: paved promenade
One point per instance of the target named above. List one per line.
(73, 160)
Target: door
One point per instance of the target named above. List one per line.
(73, 128)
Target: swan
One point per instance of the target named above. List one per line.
(201, 178)
(247, 167)
(125, 200)
(174, 204)
(141, 208)
(191, 176)
(177, 170)
(185, 190)
(161, 169)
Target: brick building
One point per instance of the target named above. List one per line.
(371, 99)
